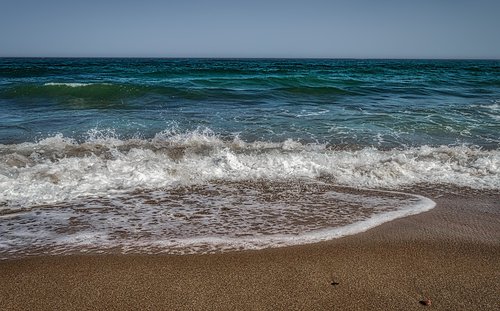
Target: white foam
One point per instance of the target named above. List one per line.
(58, 169)
(204, 219)
(72, 84)
(255, 242)
(306, 113)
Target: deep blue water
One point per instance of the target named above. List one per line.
(380, 103)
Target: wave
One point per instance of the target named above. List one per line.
(317, 90)
(114, 92)
(235, 90)
(58, 168)
(71, 84)
(63, 91)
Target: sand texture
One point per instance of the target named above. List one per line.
(449, 255)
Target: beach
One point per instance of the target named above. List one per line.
(449, 255)
(249, 184)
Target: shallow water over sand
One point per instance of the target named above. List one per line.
(215, 217)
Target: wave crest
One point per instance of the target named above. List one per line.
(59, 168)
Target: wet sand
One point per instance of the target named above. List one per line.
(450, 255)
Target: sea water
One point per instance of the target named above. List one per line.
(205, 155)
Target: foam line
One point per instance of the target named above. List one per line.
(58, 169)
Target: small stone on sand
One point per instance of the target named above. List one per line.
(426, 302)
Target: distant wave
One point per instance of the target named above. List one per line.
(88, 91)
(317, 90)
(70, 84)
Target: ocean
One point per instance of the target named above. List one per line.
(182, 156)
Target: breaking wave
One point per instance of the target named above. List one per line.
(58, 168)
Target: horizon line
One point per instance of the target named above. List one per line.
(247, 58)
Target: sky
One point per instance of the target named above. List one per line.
(251, 28)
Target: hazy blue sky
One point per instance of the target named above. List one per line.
(251, 28)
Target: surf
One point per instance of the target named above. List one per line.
(59, 168)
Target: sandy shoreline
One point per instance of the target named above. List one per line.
(450, 255)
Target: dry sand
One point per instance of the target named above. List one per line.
(450, 255)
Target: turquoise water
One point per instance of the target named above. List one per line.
(202, 155)
(381, 103)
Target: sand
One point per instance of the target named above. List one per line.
(449, 255)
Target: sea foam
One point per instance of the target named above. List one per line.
(58, 169)
(70, 84)
(219, 216)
